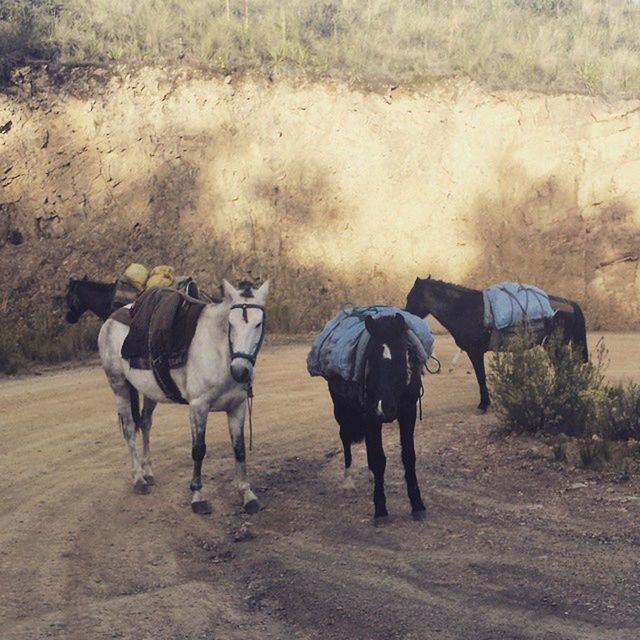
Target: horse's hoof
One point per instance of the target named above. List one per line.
(480, 411)
(202, 508)
(141, 487)
(253, 506)
(150, 480)
(380, 521)
(419, 514)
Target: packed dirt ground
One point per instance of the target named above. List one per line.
(515, 546)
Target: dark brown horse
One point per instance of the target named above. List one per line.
(391, 392)
(461, 311)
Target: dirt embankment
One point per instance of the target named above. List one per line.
(335, 193)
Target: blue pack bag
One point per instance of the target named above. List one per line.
(510, 304)
(339, 348)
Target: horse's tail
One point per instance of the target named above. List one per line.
(135, 404)
(579, 334)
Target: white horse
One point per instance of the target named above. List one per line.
(217, 377)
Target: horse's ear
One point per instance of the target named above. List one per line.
(399, 321)
(228, 290)
(86, 277)
(263, 290)
(416, 282)
(369, 324)
(429, 277)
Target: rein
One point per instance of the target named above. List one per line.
(437, 368)
(250, 407)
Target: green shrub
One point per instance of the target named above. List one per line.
(547, 389)
(594, 453)
(551, 390)
(620, 419)
(521, 382)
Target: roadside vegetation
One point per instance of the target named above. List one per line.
(46, 342)
(585, 46)
(550, 391)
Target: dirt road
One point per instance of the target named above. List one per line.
(509, 549)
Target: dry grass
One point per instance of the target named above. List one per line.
(585, 46)
(46, 342)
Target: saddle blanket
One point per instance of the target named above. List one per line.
(509, 304)
(338, 351)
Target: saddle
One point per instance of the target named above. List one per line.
(162, 323)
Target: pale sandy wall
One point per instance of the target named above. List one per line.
(334, 193)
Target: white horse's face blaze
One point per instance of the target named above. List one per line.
(246, 328)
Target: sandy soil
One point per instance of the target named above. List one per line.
(509, 549)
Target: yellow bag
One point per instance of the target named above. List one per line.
(137, 275)
(161, 276)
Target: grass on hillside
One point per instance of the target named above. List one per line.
(587, 46)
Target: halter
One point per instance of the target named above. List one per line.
(251, 357)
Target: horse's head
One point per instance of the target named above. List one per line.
(419, 298)
(388, 370)
(74, 300)
(247, 322)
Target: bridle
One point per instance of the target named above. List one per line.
(251, 357)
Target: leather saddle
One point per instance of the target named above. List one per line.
(162, 323)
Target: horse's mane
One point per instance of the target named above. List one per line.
(92, 283)
(450, 285)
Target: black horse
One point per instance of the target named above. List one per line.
(87, 295)
(461, 311)
(100, 297)
(392, 387)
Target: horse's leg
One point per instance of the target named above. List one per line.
(407, 421)
(377, 463)
(348, 483)
(350, 427)
(235, 419)
(128, 426)
(198, 420)
(477, 360)
(145, 426)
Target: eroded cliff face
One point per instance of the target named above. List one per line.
(335, 194)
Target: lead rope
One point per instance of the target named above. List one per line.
(250, 406)
(420, 399)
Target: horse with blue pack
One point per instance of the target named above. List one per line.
(481, 321)
(373, 359)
